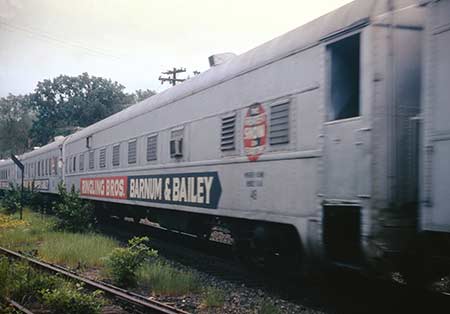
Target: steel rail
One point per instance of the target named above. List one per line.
(18, 307)
(149, 306)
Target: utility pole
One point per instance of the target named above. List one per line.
(172, 79)
(22, 169)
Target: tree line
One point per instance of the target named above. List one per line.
(59, 106)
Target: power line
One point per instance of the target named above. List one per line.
(50, 38)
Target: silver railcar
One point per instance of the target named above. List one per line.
(304, 139)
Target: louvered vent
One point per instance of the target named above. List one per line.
(279, 124)
(116, 155)
(227, 139)
(132, 152)
(152, 142)
(102, 158)
(91, 159)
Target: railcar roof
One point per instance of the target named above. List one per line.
(44, 149)
(5, 162)
(300, 38)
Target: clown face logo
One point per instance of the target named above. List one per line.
(255, 132)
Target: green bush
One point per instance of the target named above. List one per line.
(73, 213)
(11, 200)
(123, 263)
(26, 285)
(22, 283)
(35, 201)
(71, 300)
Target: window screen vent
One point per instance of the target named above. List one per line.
(81, 166)
(227, 139)
(279, 124)
(176, 143)
(132, 145)
(102, 158)
(116, 155)
(91, 159)
(152, 142)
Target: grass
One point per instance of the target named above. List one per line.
(23, 235)
(164, 279)
(36, 233)
(76, 249)
(213, 297)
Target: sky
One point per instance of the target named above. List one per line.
(133, 41)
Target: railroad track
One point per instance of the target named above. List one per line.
(18, 307)
(138, 302)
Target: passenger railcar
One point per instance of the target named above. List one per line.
(288, 142)
(7, 173)
(42, 168)
(313, 146)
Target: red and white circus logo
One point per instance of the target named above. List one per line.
(255, 131)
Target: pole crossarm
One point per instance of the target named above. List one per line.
(172, 76)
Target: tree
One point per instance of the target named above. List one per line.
(68, 102)
(15, 124)
(140, 95)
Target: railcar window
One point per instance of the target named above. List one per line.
(91, 159)
(55, 163)
(132, 147)
(74, 164)
(279, 124)
(81, 162)
(152, 147)
(102, 158)
(88, 141)
(116, 155)
(176, 143)
(227, 139)
(344, 78)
